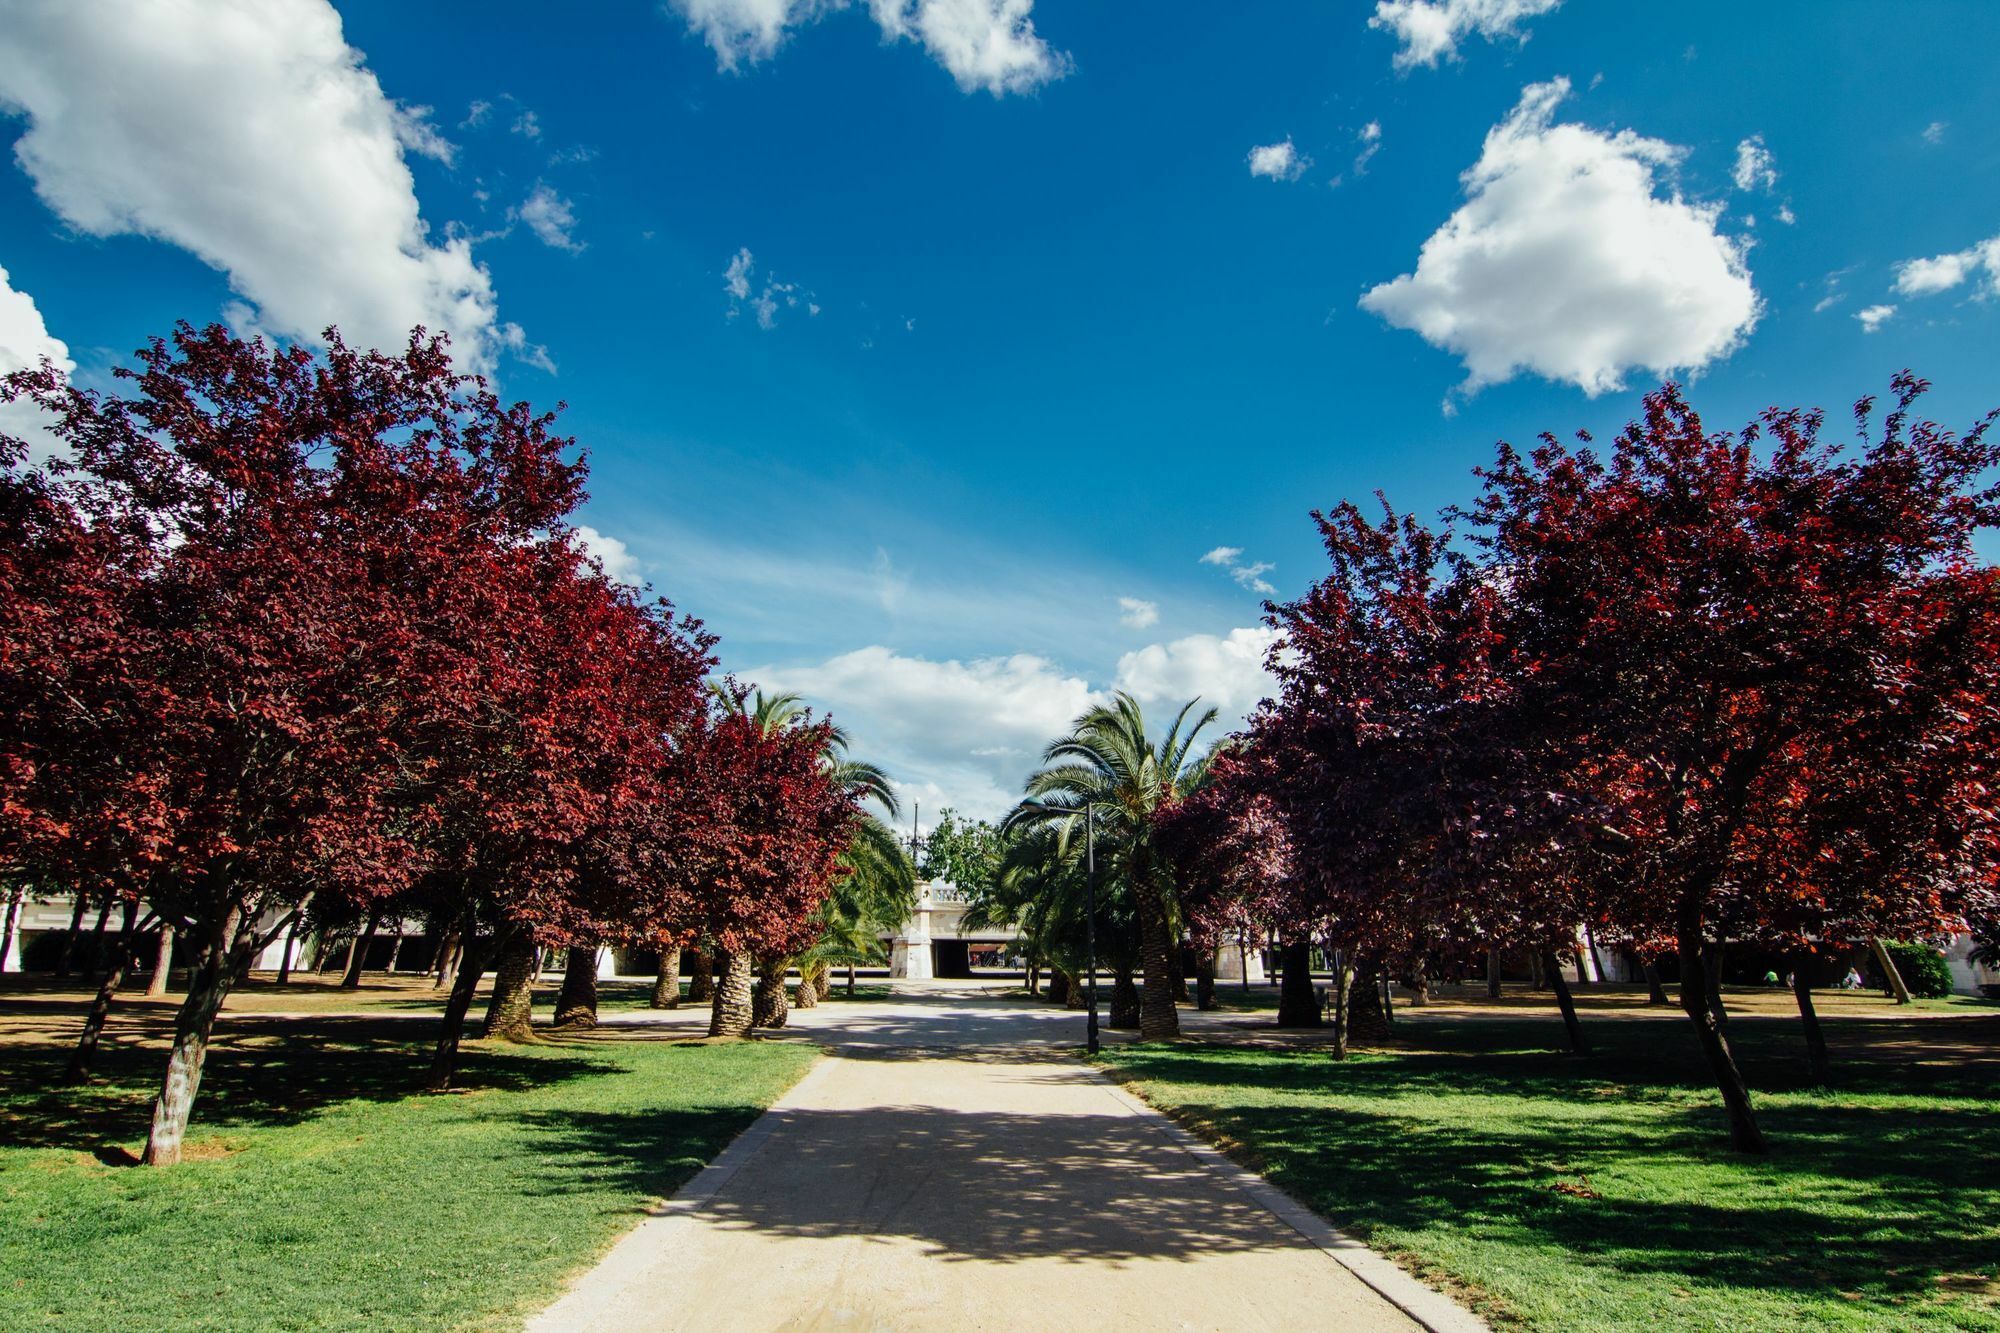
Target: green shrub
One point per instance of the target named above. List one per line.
(1924, 969)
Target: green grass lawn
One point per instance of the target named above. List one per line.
(323, 1193)
(1601, 1193)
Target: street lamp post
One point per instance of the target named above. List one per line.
(1089, 911)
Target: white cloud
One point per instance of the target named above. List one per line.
(24, 341)
(1874, 317)
(738, 280)
(1370, 138)
(1941, 273)
(1138, 614)
(528, 125)
(1429, 30)
(1278, 161)
(551, 217)
(983, 44)
(1934, 132)
(249, 133)
(1222, 555)
(620, 565)
(1755, 168)
(1225, 670)
(1564, 262)
(1249, 576)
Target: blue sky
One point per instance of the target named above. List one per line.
(908, 338)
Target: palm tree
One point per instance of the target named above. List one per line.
(1108, 764)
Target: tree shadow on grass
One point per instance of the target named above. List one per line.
(1618, 1161)
(260, 1072)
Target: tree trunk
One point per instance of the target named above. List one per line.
(449, 955)
(1127, 1007)
(1578, 1045)
(68, 958)
(822, 980)
(701, 978)
(510, 1016)
(285, 954)
(769, 1007)
(1204, 982)
(1743, 1131)
(1034, 980)
(1890, 972)
(667, 985)
(1492, 974)
(1420, 988)
(1158, 959)
(733, 1010)
(100, 1007)
(1537, 978)
(395, 947)
(809, 978)
(1822, 1067)
(1712, 957)
(357, 955)
(97, 959)
(208, 986)
(850, 981)
(163, 963)
(17, 894)
(1298, 1007)
(465, 981)
(1341, 996)
(576, 1002)
(1655, 992)
(1367, 1020)
(1059, 987)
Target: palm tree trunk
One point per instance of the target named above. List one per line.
(701, 978)
(808, 992)
(667, 985)
(510, 1016)
(1158, 956)
(1060, 988)
(576, 1002)
(734, 1010)
(769, 1007)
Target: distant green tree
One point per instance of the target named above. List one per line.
(965, 852)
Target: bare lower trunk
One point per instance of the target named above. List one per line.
(822, 979)
(1034, 980)
(396, 947)
(701, 978)
(17, 894)
(510, 1016)
(769, 1007)
(1578, 1045)
(1204, 982)
(1712, 984)
(734, 1010)
(809, 979)
(576, 1002)
(357, 957)
(68, 958)
(1492, 974)
(1298, 1007)
(163, 963)
(465, 981)
(1127, 1008)
(850, 981)
(208, 986)
(1367, 1016)
(100, 1007)
(1822, 1067)
(1341, 999)
(667, 985)
(1655, 992)
(1743, 1131)
(1420, 988)
(1890, 972)
(449, 954)
(1059, 987)
(1158, 962)
(291, 943)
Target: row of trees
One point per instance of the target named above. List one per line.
(1693, 688)
(289, 634)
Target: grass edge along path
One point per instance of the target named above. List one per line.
(1548, 1193)
(375, 1207)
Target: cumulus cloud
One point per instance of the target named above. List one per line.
(1755, 168)
(1278, 161)
(620, 565)
(1430, 30)
(1138, 614)
(1874, 317)
(1941, 273)
(984, 44)
(1225, 670)
(1565, 262)
(249, 133)
(551, 217)
(1222, 555)
(25, 341)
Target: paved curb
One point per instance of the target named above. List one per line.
(1433, 1309)
(649, 1245)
